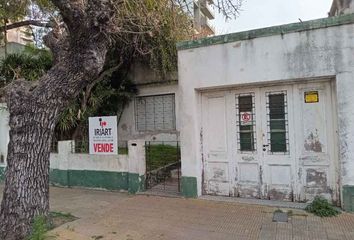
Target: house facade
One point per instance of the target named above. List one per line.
(269, 113)
(152, 115)
(266, 114)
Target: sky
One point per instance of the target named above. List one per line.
(264, 13)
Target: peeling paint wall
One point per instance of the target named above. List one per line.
(127, 127)
(324, 53)
(346, 126)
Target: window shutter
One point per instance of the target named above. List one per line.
(155, 113)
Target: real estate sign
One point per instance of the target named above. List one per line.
(103, 135)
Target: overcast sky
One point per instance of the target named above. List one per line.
(265, 13)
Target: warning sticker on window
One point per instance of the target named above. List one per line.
(312, 97)
(246, 118)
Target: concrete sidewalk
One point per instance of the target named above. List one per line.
(119, 216)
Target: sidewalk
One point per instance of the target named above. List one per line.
(119, 216)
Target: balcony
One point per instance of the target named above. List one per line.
(206, 27)
(205, 8)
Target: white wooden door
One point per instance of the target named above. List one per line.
(264, 153)
(317, 151)
(216, 178)
(278, 143)
(247, 149)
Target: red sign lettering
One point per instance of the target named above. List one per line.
(103, 147)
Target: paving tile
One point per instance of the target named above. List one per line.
(159, 218)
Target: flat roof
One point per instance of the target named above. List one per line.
(269, 31)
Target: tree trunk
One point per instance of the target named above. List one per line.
(26, 193)
(34, 113)
(79, 50)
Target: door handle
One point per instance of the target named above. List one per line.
(265, 147)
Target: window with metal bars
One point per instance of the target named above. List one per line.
(277, 113)
(153, 113)
(246, 124)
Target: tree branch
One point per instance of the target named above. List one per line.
(26, 23)
(72, 11)
(57, 41)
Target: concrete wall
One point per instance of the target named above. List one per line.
(12, 47)
(127, 128)
(4, 133)
(265, 57)
(112, 172)
(142, 74)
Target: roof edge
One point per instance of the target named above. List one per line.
(269, 31)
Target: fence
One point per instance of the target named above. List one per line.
(163, 164)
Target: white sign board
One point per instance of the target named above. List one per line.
(246, 118)
(103, 135)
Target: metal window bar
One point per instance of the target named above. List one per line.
(239, 108)
(54, 146)
(279, 110)
(80, 146)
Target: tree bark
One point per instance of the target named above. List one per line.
(26, 190)
(35, 109)
(33, 117)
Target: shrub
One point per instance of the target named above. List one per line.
(322, 208)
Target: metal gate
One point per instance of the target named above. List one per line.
(163, 166)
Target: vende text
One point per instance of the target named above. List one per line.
(103, 147)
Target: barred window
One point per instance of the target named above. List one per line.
(246, 124)
(277, 112)
(155, 113)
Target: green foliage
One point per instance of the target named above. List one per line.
(40, 225)
(12, 10)
(39, 228)
(161, 155)
(322, 208)
(30, 65)
(104, 99)
(160, 24)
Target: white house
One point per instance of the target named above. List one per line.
(269, 113)
(266, 113)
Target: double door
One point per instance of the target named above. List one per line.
(269, 142)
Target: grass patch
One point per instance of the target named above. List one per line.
(161, 155)
(42, 225)
(322, 208)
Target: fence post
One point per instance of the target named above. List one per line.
(60, 165)
(4, 140)
(137, 166)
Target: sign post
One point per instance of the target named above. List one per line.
(103, 135)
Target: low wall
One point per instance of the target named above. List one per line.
(111, 172)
